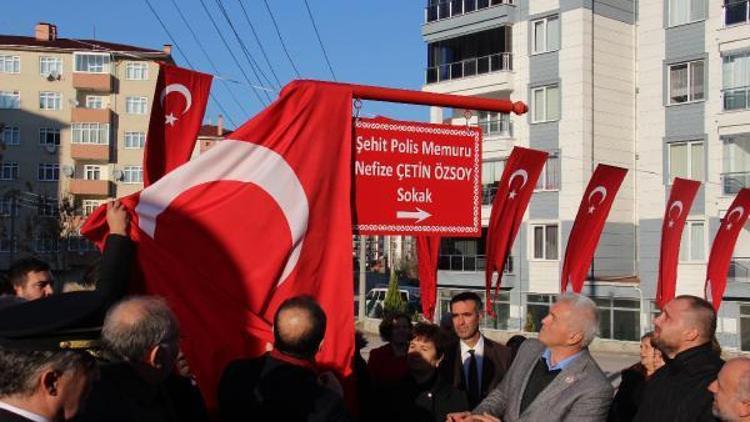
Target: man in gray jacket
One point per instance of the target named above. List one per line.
(553, 378)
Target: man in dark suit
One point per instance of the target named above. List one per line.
(475, 364)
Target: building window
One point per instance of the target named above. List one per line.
(545, 241)
(686, 82)
(94, 101)
(49, 136)
(9, 170)
(685, 11)
(10, 64)
(10, 99)
(48, 207)
(50, 66)
(466, 254)
(45, 243)
(90, 133)
(736, 81)
(92, 172)
(550, 177)
(736, 163)
(545, 35)
(492, 171)
(92, 63)
(88, 206)
(135, 140)
(745, 327)
(494, 124)
(50, 100)
(537, 307)
(10, 135)
(132, 174)
(48, 172)
(136, 105)
(693, 242)
(686, 160)
(470, 55)
(136, 71)
(6, 207)
(619, 319)
(545, 104)
(736, 12)
(501, 304)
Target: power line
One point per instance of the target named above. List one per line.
(281, 39)
(317, 34)
(260, 44)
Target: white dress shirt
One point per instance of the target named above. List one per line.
(479, 353)
(25, 413)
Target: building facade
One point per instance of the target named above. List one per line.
(658, 87)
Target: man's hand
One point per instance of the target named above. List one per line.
(484, 418)
(458, 417)
(117, 218)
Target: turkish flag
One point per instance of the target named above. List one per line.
(428, 249)
(587, 228)
(723, 247)
(179, 104)
(511, 200)
(257, 219)
(678, 207)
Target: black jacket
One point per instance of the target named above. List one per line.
(629, 394)
(678, 391)
(8, 416)
(431, 401)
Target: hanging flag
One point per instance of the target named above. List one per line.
(723, 247)
(257, 219)
(511, 200)
(179, 104)
(428, 248)
(678, 207)
(587, 229)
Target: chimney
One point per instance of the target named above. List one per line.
(167, 48)
(220, 126)
(44, 31)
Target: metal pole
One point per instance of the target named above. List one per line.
(362, 278)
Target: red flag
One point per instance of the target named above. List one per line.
(678, 207)
(511, 200)
(587, 228)
(257, 219)
(179, 103)
(428, 248)
(723, 247)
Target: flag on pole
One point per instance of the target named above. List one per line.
(428, 248)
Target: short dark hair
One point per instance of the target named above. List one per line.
(19, 369)
(20, 268)
(433, 334)
(704, 315)
(389, 320)
(467, 296)
(305, 345)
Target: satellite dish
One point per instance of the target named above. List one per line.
(68, 171)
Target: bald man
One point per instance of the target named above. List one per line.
(731, 391)
(284, 384)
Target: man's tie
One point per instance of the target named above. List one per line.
(473, 387)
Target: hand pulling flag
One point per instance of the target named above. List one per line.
(587, 229)
(678, 207)
(428, 248)
(257, 219)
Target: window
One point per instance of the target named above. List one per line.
(494, 124)
(745, 327)
(49, 136)
(735, 12)
(49, 65)
(693, 242)
(9, 170)
(10, 64)
(736, 81)
(545, 241)
(736, 163)
(90, 133)
(619, 319)
(136, 71)
(537, 307)
(545, 35)
(686, 160)
(48, 207)
(136, 105)
(470, 55)
(10, 99)
(492, 171)
(94, 101)
(135, 140)
(48, 172)
(10, 135)
(92, 172)
(465, 254)
(545, 104)
(45, 243)
(686, 82)
(502, 312)
(90, 205)
(550, 177)
(6, 207)
(50, 100)
(685, 11)
(132, 174)
(92, 63)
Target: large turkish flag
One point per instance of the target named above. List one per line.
(255, 220)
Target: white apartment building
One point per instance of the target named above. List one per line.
(659, 87)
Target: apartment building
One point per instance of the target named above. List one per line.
(73, 120)
(659, 87)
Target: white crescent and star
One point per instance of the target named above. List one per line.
(524, 175)
(599, 189)
(241, 161)
(170, 118)
(740, 211)
(678, 205)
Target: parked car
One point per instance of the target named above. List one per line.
(375, 300)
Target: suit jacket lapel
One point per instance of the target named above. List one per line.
(488, 366)
(516, 409)
(459, 376)
(568, 377)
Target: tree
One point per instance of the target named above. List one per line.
(393, 302)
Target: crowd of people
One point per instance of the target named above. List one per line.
(106, 356)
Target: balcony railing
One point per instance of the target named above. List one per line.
(739, 269)
(732, 182)
(736, 12)
(450, 8)
(499, 127)
(736, 98)
(469, 263)
(470, 67)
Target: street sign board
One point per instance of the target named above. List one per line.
(417, 178)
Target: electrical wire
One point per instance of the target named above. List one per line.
(260, 44)
(281, 39)
(320, 41)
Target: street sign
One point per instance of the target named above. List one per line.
(417, 178)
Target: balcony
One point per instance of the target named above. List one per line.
(95, 115)
(90, 187)
(500, 62)
(469, 263)
(100, 82)
(735, 12)
(731, 183)
(736, 98)
(498, 127)
(96, 152)
(739, 269)
(450, 8)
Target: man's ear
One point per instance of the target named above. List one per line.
(691, 334)
(575, 338)
(744, 409)
(155, 356)
(49, 381)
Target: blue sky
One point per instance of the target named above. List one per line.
(368, 42)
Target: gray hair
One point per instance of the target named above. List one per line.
(137, 324)
(587, 316)
(20, 370)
